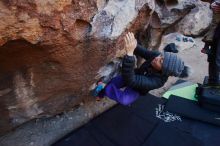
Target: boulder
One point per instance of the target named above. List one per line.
(197, 21)
(184, 16)
(51, 51)
(166, 15)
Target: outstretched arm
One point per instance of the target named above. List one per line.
(139, 82)
(144, 53)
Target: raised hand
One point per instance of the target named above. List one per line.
(130, 43)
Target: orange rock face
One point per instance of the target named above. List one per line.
(51, 51)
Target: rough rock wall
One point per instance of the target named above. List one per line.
(51, 51)
(184, 16)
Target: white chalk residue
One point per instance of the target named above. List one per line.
(165, 115)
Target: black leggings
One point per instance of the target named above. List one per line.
(214, 57)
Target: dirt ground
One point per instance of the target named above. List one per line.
(45, 131)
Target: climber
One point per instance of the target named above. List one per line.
(152, 74)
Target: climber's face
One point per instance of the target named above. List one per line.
(157, 63)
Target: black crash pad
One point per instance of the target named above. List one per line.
(191, 109)
(137, 125)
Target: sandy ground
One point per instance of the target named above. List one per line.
(45, 131)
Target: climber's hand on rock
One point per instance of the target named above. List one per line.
(130, 43)
(215, 7)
